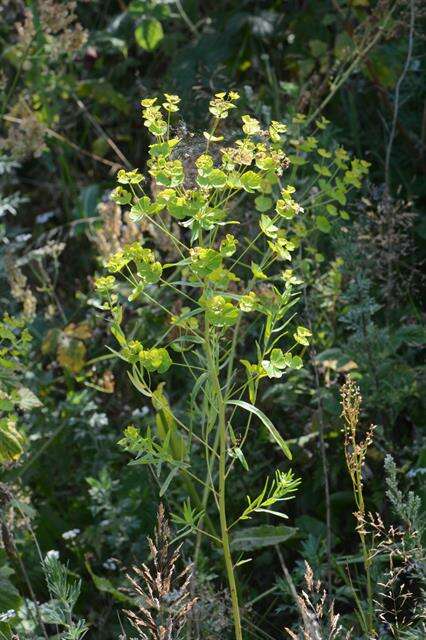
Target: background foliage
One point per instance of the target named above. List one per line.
(72, 77)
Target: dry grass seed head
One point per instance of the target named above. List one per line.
(319, 621)
(355, 448)
(166, 596)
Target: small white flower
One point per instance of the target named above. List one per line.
(23, 237)
(110, 564)
(415, 472)
(90, 406)
(140, 413)
(71, 534)
(53, 554)
(291, 38)
(6, 615)
(98, 420)
(44, 217)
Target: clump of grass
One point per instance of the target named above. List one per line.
(165, 597)
(319, 621)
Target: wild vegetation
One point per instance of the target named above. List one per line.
(212, 335)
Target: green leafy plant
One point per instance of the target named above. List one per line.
(15, 340)
(64, 593)
(216, 289)
(70, 71)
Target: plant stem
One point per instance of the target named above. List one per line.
(323, 451)
(397, 92)
(223, 521)
(229, 566)
(365, 554)
(366, 560)
(291, 586)
(360, 55)
(224, 525)
(191, 26)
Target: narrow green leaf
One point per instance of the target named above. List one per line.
(268, 424)
(168, 480)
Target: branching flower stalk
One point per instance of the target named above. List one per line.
(355, 453)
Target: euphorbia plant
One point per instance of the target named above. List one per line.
(219, 285)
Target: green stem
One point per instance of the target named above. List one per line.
(359, 56)
(224, 530)
(366, 560)
(205, 498)
(224, 525)
(365, 554)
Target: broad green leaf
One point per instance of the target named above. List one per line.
(8, 364)
(267, 226)
(220, 312)
(11, 441)
(204, 261)
(149, 33)
(263, 203)
(268, 424)
(250, 181)
(155, 359)
(301, 335)
(323, 224)
(120, 195)
(27, 399)
(297, 160)
(214, 178)
(296, 362)
(322, 170)
(6, 405)
(263, 536)
(163, 148)
(9, 595)
(150, 272)
(278, 361)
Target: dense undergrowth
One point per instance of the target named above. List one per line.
(212, 335)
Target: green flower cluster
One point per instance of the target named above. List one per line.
(155, 359)
(199, 195)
